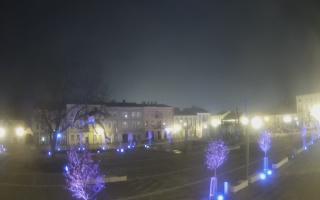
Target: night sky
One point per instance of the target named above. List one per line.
(217, 54)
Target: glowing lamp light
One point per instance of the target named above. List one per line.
(43, 139)
(220, 197)
(269, 172)
(103, 148)
(98, 151)
(2, 132)
(287, 119)
(244, 120)
(59, 135)
(262, 176)
(19, 131)
(121, 150)
(266, 119)
(58, 149)
(215, 122)
(49, 153)
(205, 126)
(256, 122)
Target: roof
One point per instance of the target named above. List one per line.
(128, 104)
(190, 111)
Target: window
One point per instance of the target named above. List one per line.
(72, 139)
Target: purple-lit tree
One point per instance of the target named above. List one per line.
(304, 136)
(216, 155)
(265, 145)
(265, 142)
(83, 176)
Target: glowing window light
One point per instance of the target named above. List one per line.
(176, 128)
(315, 112)
(43, 139)
(244, 120)
(205, 126)
(287, 119)
(215, 123)
(2, 132)
(99, 130)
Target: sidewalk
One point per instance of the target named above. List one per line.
(299, 179)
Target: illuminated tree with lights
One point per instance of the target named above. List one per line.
(265, 145)
(216, 155)
(303, 137)
(83, 176)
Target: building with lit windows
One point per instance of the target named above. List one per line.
(115, 123)
(305, 103)
(193, 123)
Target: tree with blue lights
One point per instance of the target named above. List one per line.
(216, 155)
(265, 145)
(83, 177)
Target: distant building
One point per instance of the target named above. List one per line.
(304, 106)
(193, 122)
(281, 123)
(111, 123)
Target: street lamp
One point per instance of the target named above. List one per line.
(19, 131)
(2, 132)
(245, 122)
(256, 122)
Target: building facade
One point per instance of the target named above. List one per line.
(99, 125)
(192, 123)
(304, 105)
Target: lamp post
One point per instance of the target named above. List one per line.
(245, 121)
(256, 123)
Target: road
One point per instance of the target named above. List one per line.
(154, 174)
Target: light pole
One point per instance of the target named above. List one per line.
(256, 123)
(245, 121)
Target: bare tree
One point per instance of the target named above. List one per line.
(81, 90)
